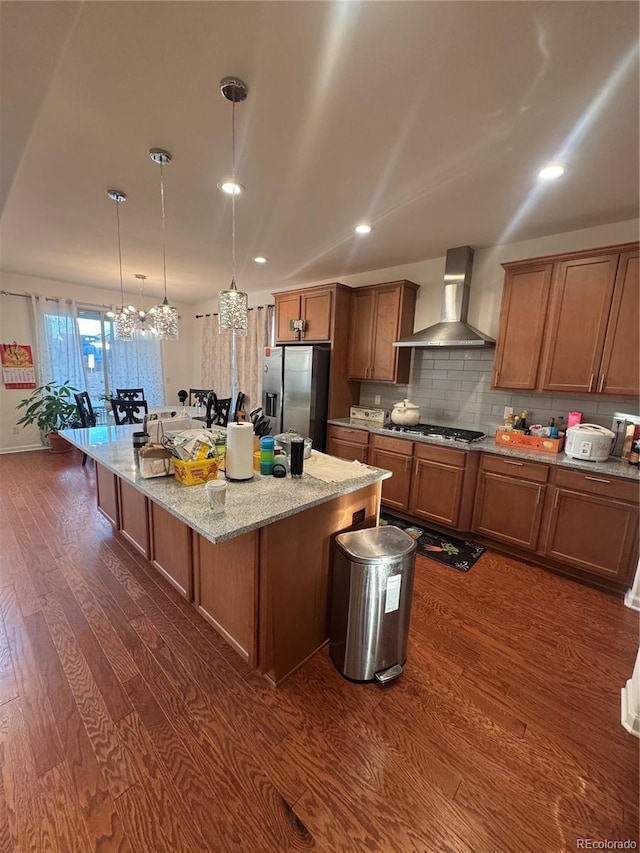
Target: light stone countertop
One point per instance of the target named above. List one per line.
(249, 505)
(614, 466)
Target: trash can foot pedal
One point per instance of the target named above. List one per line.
(387, 675)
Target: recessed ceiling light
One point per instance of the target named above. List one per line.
(260, 259)
(551, 171)
(230, 187)
(363, 228)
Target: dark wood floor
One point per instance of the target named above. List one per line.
(127, 724)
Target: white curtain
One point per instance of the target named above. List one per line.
(58, 350)
(216, 362)
(137, 364)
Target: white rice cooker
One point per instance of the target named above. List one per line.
(589, 441)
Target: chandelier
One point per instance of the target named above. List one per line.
(123, 320)
(165, 316)
(233, 303)
(143, 320)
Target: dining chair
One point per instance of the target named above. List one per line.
(126, 411)
(240, 403)
(85, 413)
(130, 393)
(220, 414)
(199, 395)
(182, 396)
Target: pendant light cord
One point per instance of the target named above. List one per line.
(233, 195)
(164, 237)
(119, 253)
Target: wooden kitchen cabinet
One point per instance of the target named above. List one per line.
(171, 551)
(439, 484)
(395, 455)
(107, 491)
(509, 500)
(381, 314)
(591, 525)
(134, 517)
(347, 443)
(569, 324)
(314, 307)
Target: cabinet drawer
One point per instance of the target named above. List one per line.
(359, 436)
(445, 455)
(598, 484)
(515, 468)
(395, 445)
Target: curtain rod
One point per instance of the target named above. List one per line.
(54, 299)
(259, 307)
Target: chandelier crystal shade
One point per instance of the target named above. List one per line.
(123, 321)
(165, 316)
(233, 304)
(144, 320)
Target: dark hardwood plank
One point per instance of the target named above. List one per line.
(61, 812)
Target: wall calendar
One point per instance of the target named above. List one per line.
(17, 366)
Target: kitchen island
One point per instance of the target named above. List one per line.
(259, 572)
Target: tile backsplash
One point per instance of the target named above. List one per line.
(453, 386)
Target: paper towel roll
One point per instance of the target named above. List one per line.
(239, 465)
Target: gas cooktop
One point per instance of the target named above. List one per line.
(434, 431)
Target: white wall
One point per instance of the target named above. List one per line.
(15, 325)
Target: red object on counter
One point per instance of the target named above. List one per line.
(574, 418)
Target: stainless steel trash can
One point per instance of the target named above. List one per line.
(371, 602)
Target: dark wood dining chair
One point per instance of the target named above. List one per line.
(182, 396)
(85, 413)
(240, 404)
(220, 414)
(130, 393)
(199, 395)
(128, 411)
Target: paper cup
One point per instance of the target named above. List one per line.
(216, 492)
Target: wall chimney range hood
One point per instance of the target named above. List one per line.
(453, 329)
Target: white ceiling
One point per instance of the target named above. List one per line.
(430, 119)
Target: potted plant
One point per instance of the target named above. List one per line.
(51, 407)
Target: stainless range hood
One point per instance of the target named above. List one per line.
(453, 329)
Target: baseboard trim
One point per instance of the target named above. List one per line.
(629, 719)
(22, 449)
(632, 599)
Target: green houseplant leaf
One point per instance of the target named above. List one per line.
(50, 407)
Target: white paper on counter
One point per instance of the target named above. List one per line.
(332, 470)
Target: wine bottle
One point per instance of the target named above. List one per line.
(634, 454)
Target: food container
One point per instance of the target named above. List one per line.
(195, 473)
(590, 442)
(405, 413)
(534, 442)
(284, 440)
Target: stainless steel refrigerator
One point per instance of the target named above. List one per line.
(295, 390)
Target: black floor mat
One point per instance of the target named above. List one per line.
(455, 553)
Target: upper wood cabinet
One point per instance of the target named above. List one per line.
(381, 313)
(314, 307)
(569, 323)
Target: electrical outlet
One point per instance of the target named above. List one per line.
(376, 400)
(508, 410)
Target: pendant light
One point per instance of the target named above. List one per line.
(123, 320)
(144, 320)
(233, 303)
(165, 316)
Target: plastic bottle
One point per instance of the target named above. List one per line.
(266, 454)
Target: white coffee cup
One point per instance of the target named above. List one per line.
(216, 492)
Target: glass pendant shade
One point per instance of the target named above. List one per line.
(124, 325)
(233, 306)
(165, 316)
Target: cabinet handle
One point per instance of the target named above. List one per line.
(539, 494)
(591, 381)
(497, 377)
(407, 463)
(511, 462)
(555, 500)
(598, 480)
(601, 385)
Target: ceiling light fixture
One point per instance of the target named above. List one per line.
(551, 171)
(363, 228)
(260, 259)
(123, 321)
(232, 303)
(165, 316)
(231, 187)
(143, 319)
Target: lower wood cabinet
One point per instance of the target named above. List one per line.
(347, 443)
(509, 500)
(395, 455)
(592, 525)
(107, 492)
(439, 485)
(170, 542)
(134, 521)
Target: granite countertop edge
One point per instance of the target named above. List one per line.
(613, 466)
(188, 503)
